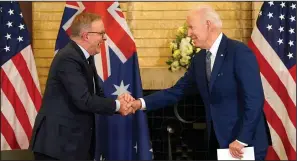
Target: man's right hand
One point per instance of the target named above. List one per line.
(136, 105)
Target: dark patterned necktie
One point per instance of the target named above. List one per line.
(208, 65)
(93, 67)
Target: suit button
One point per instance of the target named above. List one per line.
(91, 128)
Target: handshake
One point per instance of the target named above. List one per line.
(128, 104)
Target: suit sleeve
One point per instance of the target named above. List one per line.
(248, 76)
(75, 83)
(185, 85)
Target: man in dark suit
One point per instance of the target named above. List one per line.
(226, 75)
(64, 126)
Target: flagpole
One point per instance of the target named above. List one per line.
(170, 131)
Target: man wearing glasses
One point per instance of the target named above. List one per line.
(64, 126)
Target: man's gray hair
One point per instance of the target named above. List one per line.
(209, 14)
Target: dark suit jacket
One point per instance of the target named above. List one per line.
(63, 128)
(233, 100)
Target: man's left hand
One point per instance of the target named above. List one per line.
(235, 149)
(127, 97)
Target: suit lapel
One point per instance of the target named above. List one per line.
(86, 65)
(79, 51)
(201, 72)
(218, 61)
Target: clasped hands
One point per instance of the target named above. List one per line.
(128, 104)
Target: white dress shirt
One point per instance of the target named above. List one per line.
(214, 50)
(87, 55)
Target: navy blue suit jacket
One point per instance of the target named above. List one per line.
(234, 99)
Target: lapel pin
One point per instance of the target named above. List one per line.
(222, 55)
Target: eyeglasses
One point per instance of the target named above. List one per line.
(99, 33)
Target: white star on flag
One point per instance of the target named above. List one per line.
(270, 15)
(291, 31)
(293, 6)
(271, 3)
(281, 29)
(280, 41)
(20, 38)
(291, 43)
(292, 18)
(135, 147)
(7, 48)
(290, 55)
(8, 36)
(21, 26)
(151, 150)
(269, 27)
(10, 12)
(121, 89)
(282, 16)
(9, 24)
(283, 4)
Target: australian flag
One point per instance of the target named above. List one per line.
(117, 137)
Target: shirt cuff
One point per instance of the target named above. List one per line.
(143, 107)
(242, 143)
(118, 105)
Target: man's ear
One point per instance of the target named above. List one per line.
(84, 36)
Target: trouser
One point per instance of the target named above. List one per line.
(213, 145)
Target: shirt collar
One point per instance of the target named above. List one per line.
(87, 55)
(215, 46)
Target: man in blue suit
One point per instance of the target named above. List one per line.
(226, 75)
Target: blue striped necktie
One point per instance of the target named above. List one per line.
(208, 65)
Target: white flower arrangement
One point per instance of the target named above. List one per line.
(182, 50)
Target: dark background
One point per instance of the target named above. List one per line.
(188, 142)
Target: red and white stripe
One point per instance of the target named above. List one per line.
(20, 100)
(118, 16)
(102, 62)
(280, 98)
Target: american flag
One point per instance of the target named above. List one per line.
(273, 41)
(20, 91)
(117, 137)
